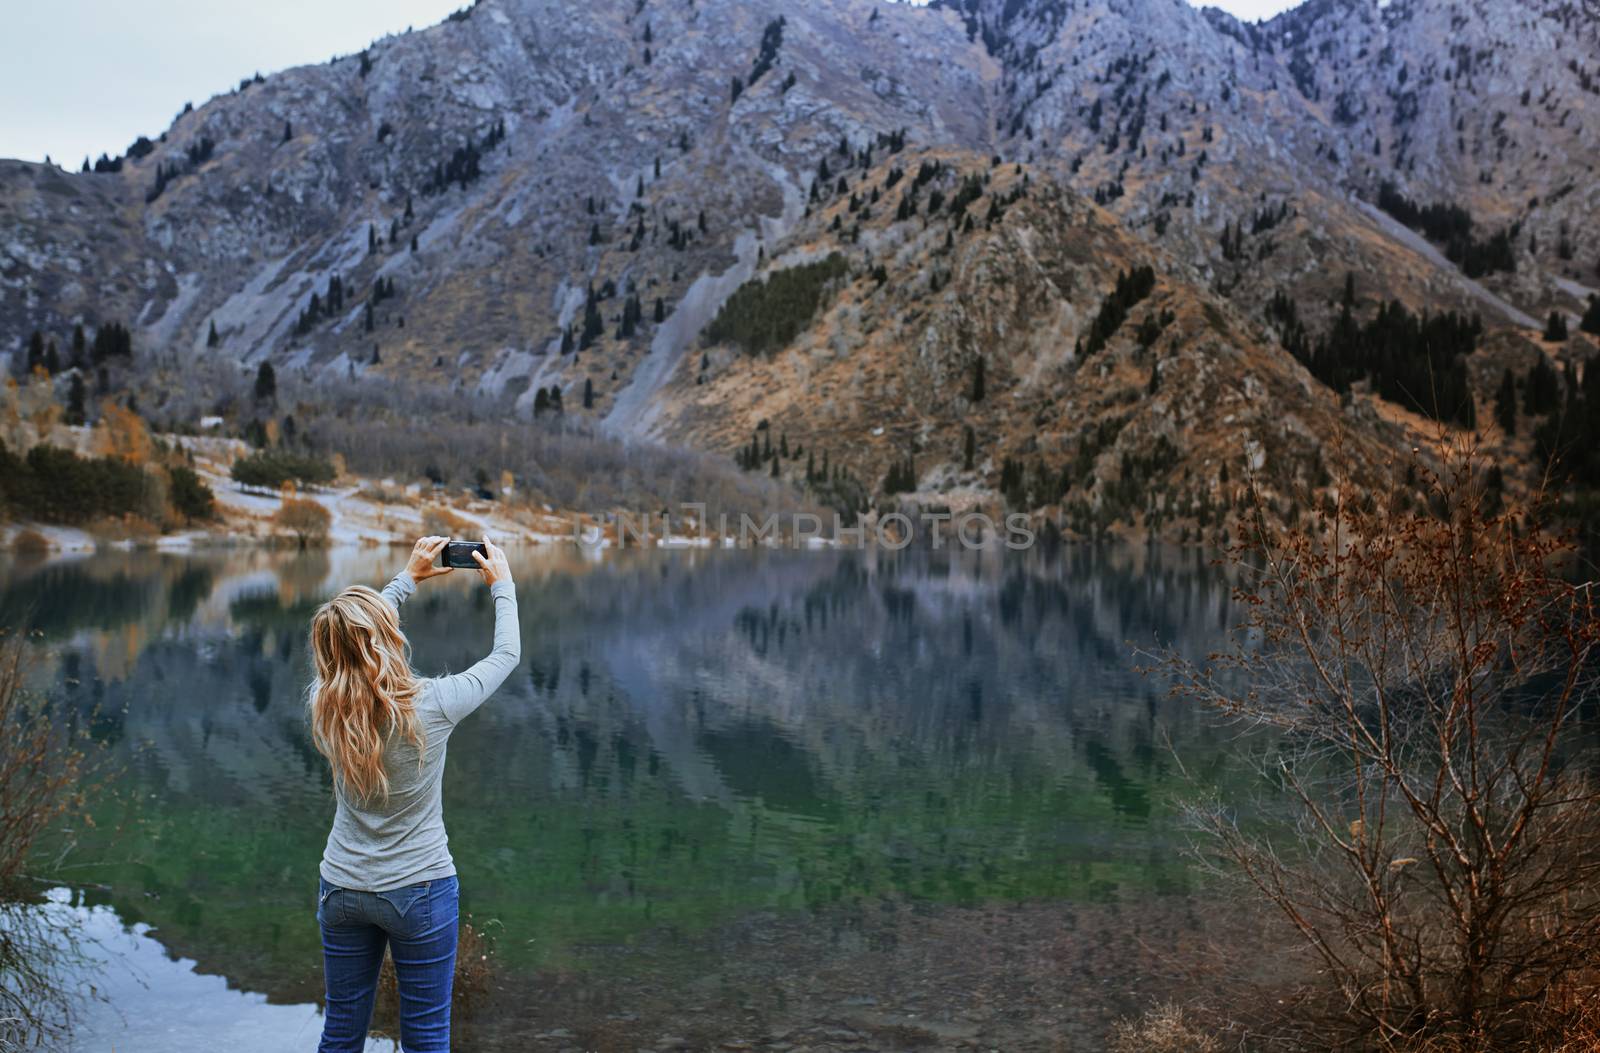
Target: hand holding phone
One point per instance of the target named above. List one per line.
(420, 565)
(491, 559)
(460, 554)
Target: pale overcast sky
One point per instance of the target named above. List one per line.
(85, 77)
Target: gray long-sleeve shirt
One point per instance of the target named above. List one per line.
(380, 845)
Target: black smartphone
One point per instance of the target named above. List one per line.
(459, 554)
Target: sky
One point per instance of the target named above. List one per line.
(96, 74)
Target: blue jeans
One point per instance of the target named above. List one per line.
(418, 924)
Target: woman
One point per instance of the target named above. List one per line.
(386, 876)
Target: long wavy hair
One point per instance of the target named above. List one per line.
(364, 692)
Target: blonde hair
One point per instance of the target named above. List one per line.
(364, 689)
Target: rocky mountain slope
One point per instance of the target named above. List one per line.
(533, 198)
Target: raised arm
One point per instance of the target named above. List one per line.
(419, 567)
(399, 589)
(464, 692)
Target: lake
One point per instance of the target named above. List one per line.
(764, 800)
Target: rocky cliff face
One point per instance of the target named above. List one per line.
(534, 195)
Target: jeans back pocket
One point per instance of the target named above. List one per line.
(411, 906)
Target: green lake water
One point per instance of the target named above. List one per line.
(725, 793)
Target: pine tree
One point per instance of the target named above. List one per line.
(978, 380)
(212, 339)
(593, 324)
(52, 360)
(661, 311)
(970, 449)
(371, 322)
(266, 383)
(35, 351)
(75, 400)
(288, 131)
(413, 243)
(1349, 299)
(588, 393)
(541, 402)
(1555, 330)
(631, 314)
(1541, 390)
(1591, 317)
(1505, 404)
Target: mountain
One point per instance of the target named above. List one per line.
(754, 224)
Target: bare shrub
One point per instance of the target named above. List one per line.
(44, 772)
(30, 542)
(1424, 686)
(46, 776)
(566, 465)
(388, 428)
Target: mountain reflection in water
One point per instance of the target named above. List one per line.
(694, 741)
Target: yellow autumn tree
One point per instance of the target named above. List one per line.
(40, 405)
(12, 430)
(308, 521)
(121, 433)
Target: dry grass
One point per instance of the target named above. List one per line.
(1165, 1028)
(1568, 1020)
(441, 521)
(379, 494)
(129, 527)
(474, 968)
